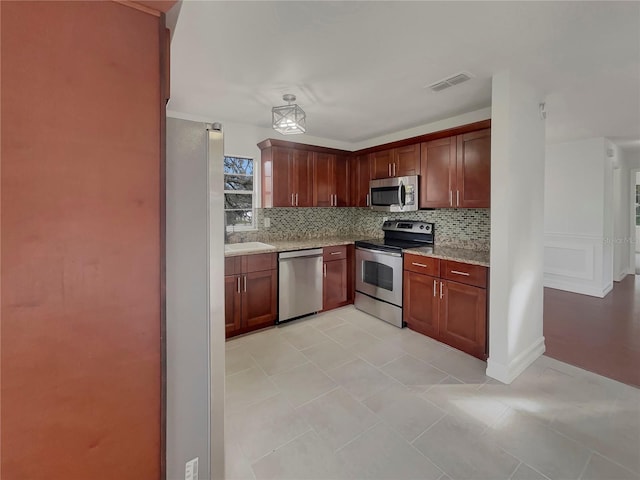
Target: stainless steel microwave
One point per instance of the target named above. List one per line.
(395, 194)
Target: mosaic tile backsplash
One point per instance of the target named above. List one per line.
(464, 228)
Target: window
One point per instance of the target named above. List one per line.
(238, 193)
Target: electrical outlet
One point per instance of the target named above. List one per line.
(191, 470)
(267, 222)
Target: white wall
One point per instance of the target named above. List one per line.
(517, 206)
(637, 239)
(621, 212)
(578, 223)
(625, 236)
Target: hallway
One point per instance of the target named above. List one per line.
(601, 335)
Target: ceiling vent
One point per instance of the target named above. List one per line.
(456, 79)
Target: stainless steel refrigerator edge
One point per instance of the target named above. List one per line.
(194, 299)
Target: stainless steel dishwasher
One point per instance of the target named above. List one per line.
(300, 283)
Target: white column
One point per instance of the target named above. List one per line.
(517, 210)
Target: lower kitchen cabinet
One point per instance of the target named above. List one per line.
(420, 309)
(463, 318)
(251, 292)
(451, 311)
(335, 286)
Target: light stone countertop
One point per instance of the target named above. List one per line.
(300, 244)
(464, 255)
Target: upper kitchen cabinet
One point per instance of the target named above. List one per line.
(382, 164)
(396, 162)
(298, 175)
(436, 164)
(287, 177)
(359, 178)
(473, 169)
(301, 167)
(456, 171)
(330, 180)
(406, 160)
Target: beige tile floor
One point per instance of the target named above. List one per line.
(343, 395)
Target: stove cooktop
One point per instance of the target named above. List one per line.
(401, 234)
(391, 245)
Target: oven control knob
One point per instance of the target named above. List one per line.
(421, 227)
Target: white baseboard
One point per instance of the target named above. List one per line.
(620, 276)
(508, 373)
(577, 288)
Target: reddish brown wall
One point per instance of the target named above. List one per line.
(80, 241)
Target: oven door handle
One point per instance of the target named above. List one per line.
(379, 252)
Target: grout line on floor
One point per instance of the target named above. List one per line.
(358, 436)
(310, 429)
(584, 468)
(319, 396)
(515, 470)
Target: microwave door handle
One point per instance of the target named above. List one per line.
(401, 195)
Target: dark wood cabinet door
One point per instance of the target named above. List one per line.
(282, 178)
(382, 164)
(463, 318)
(232, 304)
(406, 160)
(473, 170)
(323, 179)
(259, 298)
(359, 177)
(335, 284)
(302, 170)
(341, 175)
(421, 296)
(437, 172)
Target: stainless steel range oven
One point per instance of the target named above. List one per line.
(379, 268)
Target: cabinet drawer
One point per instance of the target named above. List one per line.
(465, 273)
(334, 253)
(232, 265)
(259, 262)
(422, 264)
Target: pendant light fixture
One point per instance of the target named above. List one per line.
(289, 119)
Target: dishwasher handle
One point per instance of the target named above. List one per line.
(313, 252)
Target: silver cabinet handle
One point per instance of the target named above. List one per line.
(457, 198)
(389, 170)
(434, 287)
(245, 283)
(451, 198)
(394, 169)
(296, 199)
(460, 273)
(238, 283)
(336, 253)
(335, 204)
(332, 200)
(325, 270)
(441, 290)
(368, 202)
(419, 264)
(292, 202)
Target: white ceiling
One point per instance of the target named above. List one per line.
(359, 68)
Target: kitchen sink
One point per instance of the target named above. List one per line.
(248, 246)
